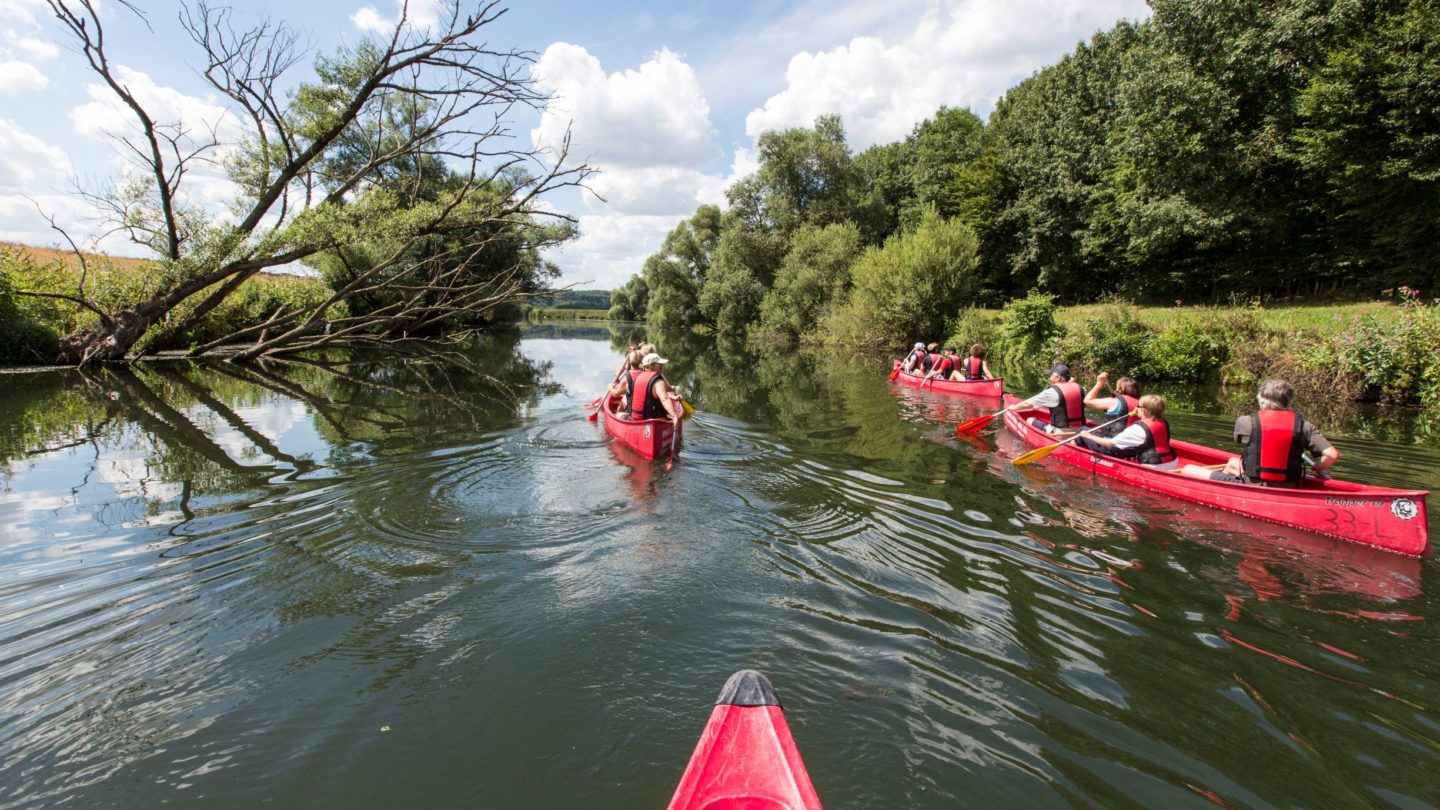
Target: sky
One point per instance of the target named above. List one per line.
(665, 99)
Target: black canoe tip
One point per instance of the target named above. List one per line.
(748, 688)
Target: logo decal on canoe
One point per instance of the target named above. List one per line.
(996, 385)
(647, 431)
(1404, 508)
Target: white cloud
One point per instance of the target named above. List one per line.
(23, 10)
(656, 115)
(26, 161)
(962, 53)
(20, 77)
(423, 15)
(31, 46)
(612, 247)
(203, 119)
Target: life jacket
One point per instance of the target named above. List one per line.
(1071, 410)
(1156, 449)
(943, 364)
(1129, 404)
(1272, 456)
(974, 368)
(643, 402)
(919, 358)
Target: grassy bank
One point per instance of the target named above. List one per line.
(1377, 351)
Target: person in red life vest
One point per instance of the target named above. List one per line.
(942, 366)
(621, 387)
(1125, 400)
(1275, 440)
(1065, 400)
(915, 360)
(974, 367)
(650, 395)
(1147, 440)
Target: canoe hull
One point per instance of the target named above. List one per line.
(648, 437)
(746, 758)
(1391, 519)
(966, 388)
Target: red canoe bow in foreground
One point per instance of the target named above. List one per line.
(648, 437)
(746, 758)
(968, 388)
(1392, 519)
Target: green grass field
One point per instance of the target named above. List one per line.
(1324, 319)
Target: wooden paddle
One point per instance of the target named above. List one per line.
(1041, 452)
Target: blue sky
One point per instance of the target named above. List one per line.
(666, 99)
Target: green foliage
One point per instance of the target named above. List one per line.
(1029, 331)
(1395, 360)
(628, 302)
(675, 274)
(815, 273)
(23, 338)
(911, 284)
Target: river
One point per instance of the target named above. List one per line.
(425, 580)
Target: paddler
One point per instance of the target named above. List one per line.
(1275, 439)
(942, 365)
(1065, 400)
(1147, 440)
(1125, 400)
(649, 394)
(915, 360)
(974, 367)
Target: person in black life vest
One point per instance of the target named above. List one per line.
(974, 367)
(943, 364)
(1125, 400)
(650, 395)
(1147, 440)
(1065, 400)
(1275, 440)
(915, 361)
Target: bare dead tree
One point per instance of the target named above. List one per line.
(324, 169)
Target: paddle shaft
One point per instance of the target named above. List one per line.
(1041, 452)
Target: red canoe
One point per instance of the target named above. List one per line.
(746, 758)
(650, 438)
(969, 388)
(1392, 519)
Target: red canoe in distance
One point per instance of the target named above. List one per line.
(1392, 519)
(648, 437)
(967, 388)
(746, 758)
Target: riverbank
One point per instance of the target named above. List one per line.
(1365, 352)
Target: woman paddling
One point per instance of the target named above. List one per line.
(1126, 400)
(1147, 440)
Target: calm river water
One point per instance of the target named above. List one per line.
(428, 581)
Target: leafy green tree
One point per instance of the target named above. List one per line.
(628, 302)
(910, 286)
(675, 274)
(814, 273)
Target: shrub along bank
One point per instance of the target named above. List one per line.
(1370, 352)
(31, 328)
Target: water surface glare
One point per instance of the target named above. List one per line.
(427, 580)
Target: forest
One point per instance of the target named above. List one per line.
(1231, 154)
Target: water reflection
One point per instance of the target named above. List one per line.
(226, 583)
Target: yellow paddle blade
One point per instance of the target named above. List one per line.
(686, 409)
(1036, 454)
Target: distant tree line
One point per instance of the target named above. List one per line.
(1213, 151)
